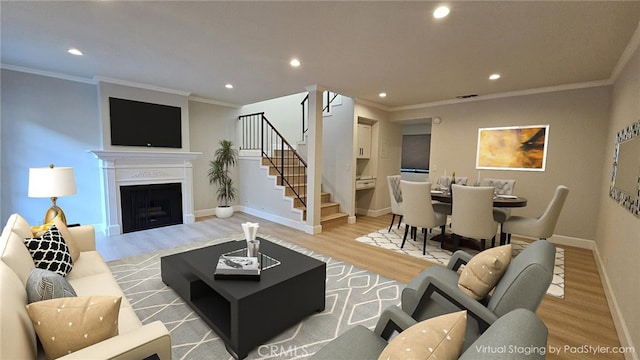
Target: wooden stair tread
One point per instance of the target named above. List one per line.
(325, 220)
(328, 204)
(323, 205)
(333, 216)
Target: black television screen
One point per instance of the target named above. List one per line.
(136, 123)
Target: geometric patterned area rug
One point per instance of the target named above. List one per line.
(435, 254)
(353, 296)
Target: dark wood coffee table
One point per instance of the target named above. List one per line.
(247, 313)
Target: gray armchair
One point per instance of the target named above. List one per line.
(435, 290)
(518, 329)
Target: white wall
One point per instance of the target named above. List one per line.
(210, 123)
(261, 196)
(618, 233)
(106, 90)
(45, 121)
(337, 154)
(285, 113)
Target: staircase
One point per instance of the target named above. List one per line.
(284, 162)
(330, 214)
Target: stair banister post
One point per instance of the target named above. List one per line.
(314, 159)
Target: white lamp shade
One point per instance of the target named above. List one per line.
(51, 182)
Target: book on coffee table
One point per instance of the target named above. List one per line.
(237, 267)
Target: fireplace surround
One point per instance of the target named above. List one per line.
(126, 168)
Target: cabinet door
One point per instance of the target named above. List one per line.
(364, 141)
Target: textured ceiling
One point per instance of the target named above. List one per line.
(356, 48)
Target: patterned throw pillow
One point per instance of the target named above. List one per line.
(69, 324)
(45, 285)
(484, 270)
(440, 338)
(38, 230)
(50, 252)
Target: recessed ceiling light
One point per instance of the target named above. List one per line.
(382, 94)
(494, 77)
(441, 12)
(75, 51)
(295, 62)
(229, 86)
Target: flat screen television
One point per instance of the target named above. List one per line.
(136, 123)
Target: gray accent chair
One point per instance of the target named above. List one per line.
(518, 329)
(435, 290)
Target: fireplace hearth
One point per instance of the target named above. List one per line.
(150, 206)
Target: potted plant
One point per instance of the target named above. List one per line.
(225, 157)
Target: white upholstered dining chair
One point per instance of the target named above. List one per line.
(540, 227)
(502, 187)
(472, 214)
(418, 210)
(395, 196)
(445, 181)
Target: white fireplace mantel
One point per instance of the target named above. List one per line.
(110, 155)
(123, 168)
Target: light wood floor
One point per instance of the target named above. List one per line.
(582, 319)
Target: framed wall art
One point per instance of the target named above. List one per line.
(521, 148)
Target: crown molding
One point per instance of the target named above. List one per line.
(48, 74)
(214, 102)
(140, 85)
(632, 46)
(541, 90)
(372, 104)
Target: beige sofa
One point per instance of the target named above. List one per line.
(89, 276)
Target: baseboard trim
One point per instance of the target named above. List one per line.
(279, 219)
(374, 213)
(616, 314)
(206, 212)
(572, 241)
(212, 211)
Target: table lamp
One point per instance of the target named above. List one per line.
(52, 182)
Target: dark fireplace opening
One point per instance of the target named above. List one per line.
(150, 206)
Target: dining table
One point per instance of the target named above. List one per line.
(499, 201)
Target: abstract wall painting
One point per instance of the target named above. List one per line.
(521, 148)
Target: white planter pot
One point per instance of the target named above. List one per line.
(224, 212)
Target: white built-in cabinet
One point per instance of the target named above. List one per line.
(364, 141)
